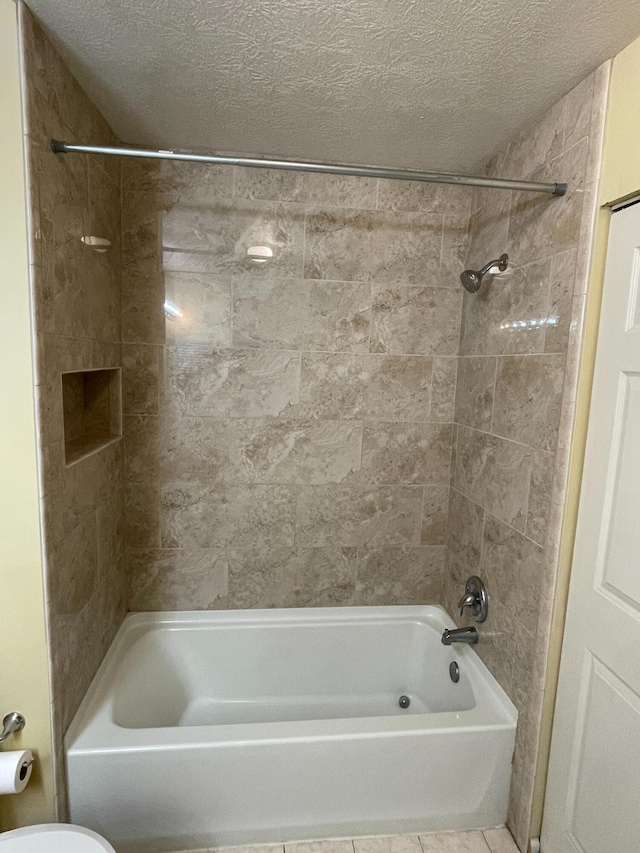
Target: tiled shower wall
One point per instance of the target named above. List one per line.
(76, 298)
(519, 348)
(289, 424)
(288, 430)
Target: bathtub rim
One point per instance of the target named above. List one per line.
(93, 729)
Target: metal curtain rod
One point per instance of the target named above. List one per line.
(59, 147)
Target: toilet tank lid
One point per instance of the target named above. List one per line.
(53, 838)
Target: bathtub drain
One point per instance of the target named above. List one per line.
(404, 701)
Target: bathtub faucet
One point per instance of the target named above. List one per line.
(460, 635)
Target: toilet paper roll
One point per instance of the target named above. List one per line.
(15, 770)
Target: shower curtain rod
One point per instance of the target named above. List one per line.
(59, 147)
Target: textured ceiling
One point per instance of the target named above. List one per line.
(432, 84)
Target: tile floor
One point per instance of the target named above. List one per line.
(487, 841)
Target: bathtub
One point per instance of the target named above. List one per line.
(241, 727)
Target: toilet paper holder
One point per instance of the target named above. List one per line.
(12, 723)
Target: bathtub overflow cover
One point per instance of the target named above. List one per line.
(404, 701)
(454, 672)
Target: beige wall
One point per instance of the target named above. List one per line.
(620, 161)
(515, 399)
(288, 438)
(77, 322)
(24, 677)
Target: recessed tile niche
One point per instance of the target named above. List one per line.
(92, 406)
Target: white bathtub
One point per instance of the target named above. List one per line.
(219, 728)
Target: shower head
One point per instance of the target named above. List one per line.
(472, 279)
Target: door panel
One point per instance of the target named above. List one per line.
(592, 801)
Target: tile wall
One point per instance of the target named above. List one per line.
(519, 347)
(289, 425)
(288, 431)
(76, 298)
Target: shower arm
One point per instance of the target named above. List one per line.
(557, 189)
(500, 262)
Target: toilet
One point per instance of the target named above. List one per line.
(53, 838)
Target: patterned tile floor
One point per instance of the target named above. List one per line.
(487, 841)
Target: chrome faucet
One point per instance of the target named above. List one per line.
(460, 635)
(475, 598)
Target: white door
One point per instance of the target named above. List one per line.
(592, 802)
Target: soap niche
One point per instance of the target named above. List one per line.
(92, 406)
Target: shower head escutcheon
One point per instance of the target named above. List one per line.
(472, 279)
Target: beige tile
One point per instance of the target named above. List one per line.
(494, 473)
(540, 142)
(171, 180)
(489, 229)
(336, 846)
(528, 394)
(464, 530)
(140, 378)
(72, 558)
(454, 202)
(405, 453)
(512, 568)
(358, 515)
(90, 482)
(454, 842)
(385, 247)
(416, 320)
(141, 448)
(443, 389)
(141, 238)
(474, 391)
(274, 185)
(388, 844)
(455, 575)
(377, 387)
(195, 516)
(199, 380)
(110, 537)
(507, 315)
(577, 111)
(400, 575)
(523, 668)
(214, 237)
(53, 79)
(189, 579)
(254, 848)
(292, 577)
(455, 242)
(543, 226)
(143, 318)
(542, 470)
(561, 286)
(77, 312)
(296, 314)
(435, 508)
(411, 195)
(143, 293)
(497, 649)
(204, 303)
(142, 515)
(258, 450)
(104, 217)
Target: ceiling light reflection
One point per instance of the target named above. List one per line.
(171, 310)
(259, 254)
(527, 325)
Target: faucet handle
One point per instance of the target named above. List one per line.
(12, 723)
(475, 597)
(467, 600)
